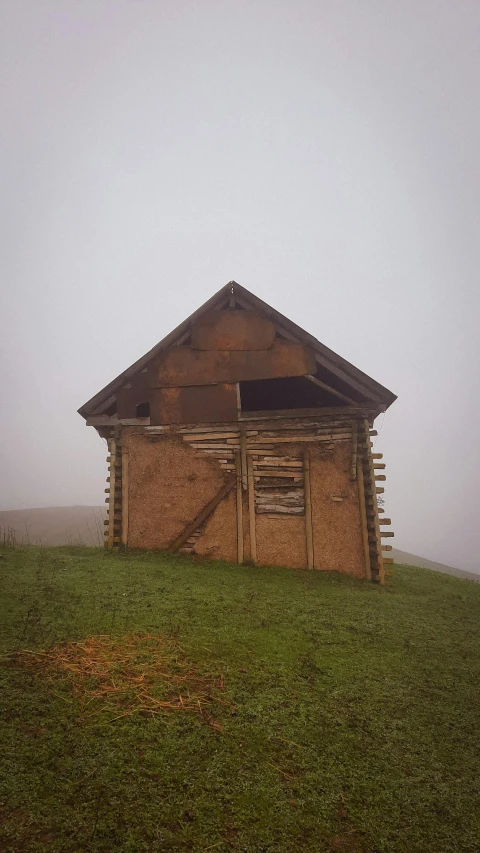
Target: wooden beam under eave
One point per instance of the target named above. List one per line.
(113, 420)
(330, 390)
(324, 411)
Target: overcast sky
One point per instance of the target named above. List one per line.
(323, 154)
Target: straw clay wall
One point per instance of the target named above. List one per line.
(169, 484)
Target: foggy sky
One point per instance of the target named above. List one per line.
(325, 155)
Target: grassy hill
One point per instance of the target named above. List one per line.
(156, 703)
(83, 525)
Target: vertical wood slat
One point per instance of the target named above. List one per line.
(363, 519)
(112, 447)
(251, 512)
(124, 536)
(308, 510)
(243, 451)
(239, 507)
(354, 449)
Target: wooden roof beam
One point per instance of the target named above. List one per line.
(330, 390)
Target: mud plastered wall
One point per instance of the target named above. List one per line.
(337, 532)
(168, 486)
(281, 541)
(219, 541)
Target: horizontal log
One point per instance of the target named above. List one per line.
(288, 485)
(385, 533)
(283, 472)
(275, 464)
(330, 389)
(377, 455)
(279, 473)
(373, 432)
(388, 561)
(209, 436)
(379, 466)
(326, 412)
(207, 445)
(386, 547)
(280, 510)
(106, 420)
(313, 438)
(384, 520)
(380, 477)
(279, 498)
(298, 424)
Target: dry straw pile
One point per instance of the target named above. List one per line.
(121, 676)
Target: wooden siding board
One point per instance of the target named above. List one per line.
(184, 366)
(219, 300)
(232, 330)
(193, 404)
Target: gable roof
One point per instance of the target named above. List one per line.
(365, 389)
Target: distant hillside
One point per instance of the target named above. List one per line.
(412, 560)
(83, 525)
(53, 525)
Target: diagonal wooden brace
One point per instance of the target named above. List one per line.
(202, 515)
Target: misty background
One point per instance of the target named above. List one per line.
(322, 154)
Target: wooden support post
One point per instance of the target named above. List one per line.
(239, 507)
(243, 452)
(124, 498)
(308, 510)
(363, 519)
(251, 512)
(354, 450)
(112, 448)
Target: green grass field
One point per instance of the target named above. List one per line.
(349, 718)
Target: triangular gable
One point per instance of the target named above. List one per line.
(333, 371)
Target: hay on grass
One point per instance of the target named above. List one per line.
(122, 676)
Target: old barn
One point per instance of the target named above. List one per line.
(241, 437)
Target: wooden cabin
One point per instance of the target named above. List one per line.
(241, 437)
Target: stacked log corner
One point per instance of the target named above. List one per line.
(368, 491)
(113, 523)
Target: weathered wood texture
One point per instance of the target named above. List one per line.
(308, 511)
(113, 529)
(239, 507)
(193, 404)
(363, 518)
(370, 492)
(232, 330)
(124, 536)
(134, 392)
(251, 512)
(185, 366)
